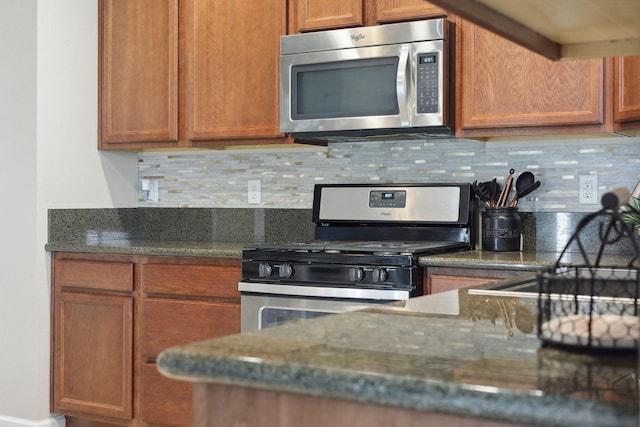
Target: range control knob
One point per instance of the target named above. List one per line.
(379, 275)
(285, 271)
(264, 270)
(355, 274)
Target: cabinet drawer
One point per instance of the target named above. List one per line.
(114, 276)
(165, 401)
(195, 280)
(168, 323)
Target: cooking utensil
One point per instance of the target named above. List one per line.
(502, 201)
(487, 191)
(526, 179)
(523, 193)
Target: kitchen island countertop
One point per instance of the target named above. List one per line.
(449, 353)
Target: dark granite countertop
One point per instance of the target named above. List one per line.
(110, 244)
(451, 353)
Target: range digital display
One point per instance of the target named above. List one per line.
(387, 199)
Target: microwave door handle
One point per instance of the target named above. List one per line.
(401, 84)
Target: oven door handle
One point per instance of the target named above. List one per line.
(324, 292)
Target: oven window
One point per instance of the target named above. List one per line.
(363, 87)
(271, 317)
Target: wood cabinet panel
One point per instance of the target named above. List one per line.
(440, 279)
(139, 71)
(232, 68)
(169, 322)
(405, 10)
(194, 280)
(93, 351)
(115, 276)
(506, 86)
(627, 90)
(314, 15)
(442, 282)
(165, 401)
(226, 405)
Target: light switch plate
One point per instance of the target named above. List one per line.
(253, 191)
(149, 190)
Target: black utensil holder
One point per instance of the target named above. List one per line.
(502, 229)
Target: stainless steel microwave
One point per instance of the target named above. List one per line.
(378, 80)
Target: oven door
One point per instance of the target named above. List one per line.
(266, 305)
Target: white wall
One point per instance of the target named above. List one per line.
(48, 126)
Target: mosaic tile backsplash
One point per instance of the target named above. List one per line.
(220, 178)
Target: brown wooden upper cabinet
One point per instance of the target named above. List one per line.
(626, 93)
(314, 15)
(186, 73)
(505, 89)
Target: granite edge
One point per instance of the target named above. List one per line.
(443, 397)
(152, 248)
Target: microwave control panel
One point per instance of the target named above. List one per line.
(427, 83)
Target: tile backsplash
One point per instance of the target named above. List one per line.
(220, 178)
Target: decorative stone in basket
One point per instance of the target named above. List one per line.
(593, 305)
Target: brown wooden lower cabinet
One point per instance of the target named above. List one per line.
(111, 317)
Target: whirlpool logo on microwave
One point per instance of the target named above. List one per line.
(357, 37)
(383, 213)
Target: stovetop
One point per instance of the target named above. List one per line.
(392, 247)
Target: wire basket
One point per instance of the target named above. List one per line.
(591, 304)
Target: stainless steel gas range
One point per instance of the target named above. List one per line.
(367, 242)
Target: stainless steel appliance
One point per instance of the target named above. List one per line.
(384, 79)
(367, 242)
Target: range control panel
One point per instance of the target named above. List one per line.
(399, 203)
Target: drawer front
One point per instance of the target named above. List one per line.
(168, 323)
(165, 401)
(197, 280)
(113, 276)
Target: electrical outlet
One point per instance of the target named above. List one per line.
(150, 190)
(253, 191)
(588, 193)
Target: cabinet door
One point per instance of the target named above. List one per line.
(138, 72)
(405, 10)
(314, 15)
(627, 91)
(506, 89)
(93, 351)
(232, 69)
